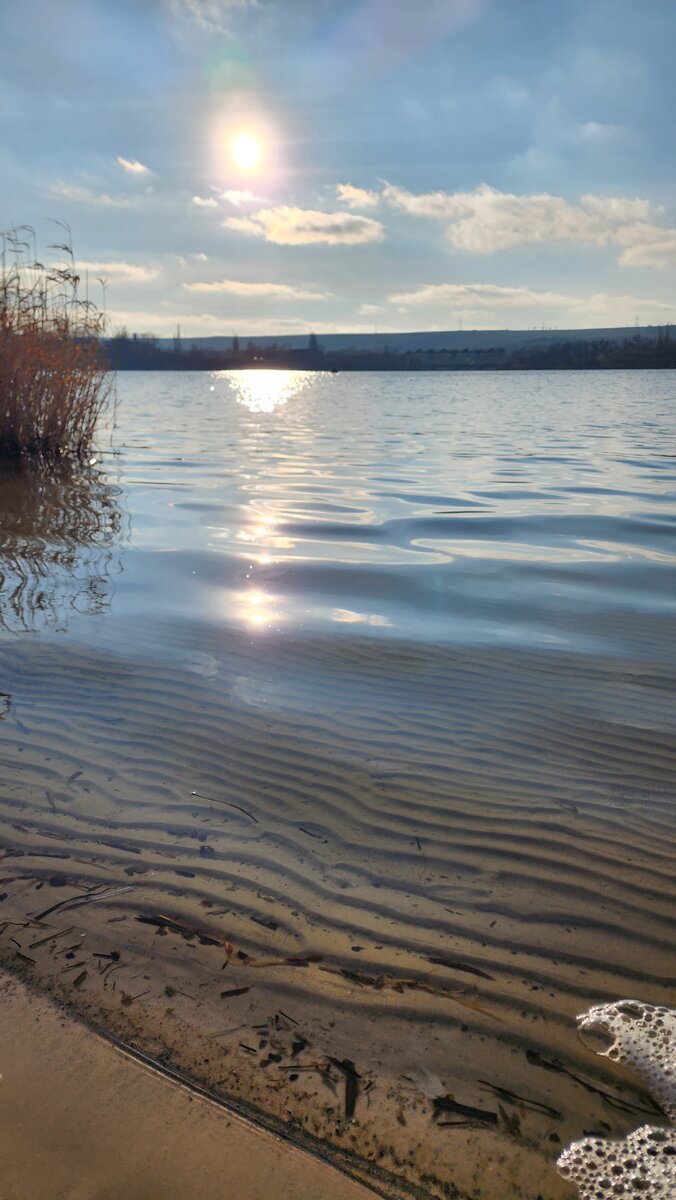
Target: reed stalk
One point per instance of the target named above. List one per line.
(54, 380)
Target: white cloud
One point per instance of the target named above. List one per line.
(287, 226)
(236, 196)
(487, 220)
(119, 272)
(132, 166)
(276, 291)
(356, 197)
(366, 310)
(85, 195)
(204, 202)
(478, 295)
(618, 210)
(244, 225)
(616, 305)
(485, 300)
(647, 246)
(201, 257)
(656, 254)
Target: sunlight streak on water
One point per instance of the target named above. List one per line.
(262, 391)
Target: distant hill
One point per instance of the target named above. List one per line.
(453, 339)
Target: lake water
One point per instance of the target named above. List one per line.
(366, 685)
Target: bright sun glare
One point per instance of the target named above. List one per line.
(246, 151)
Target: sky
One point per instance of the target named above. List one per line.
(420, 164)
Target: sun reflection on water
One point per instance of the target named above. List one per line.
(255, 606)
(257, 609)
(262, 391)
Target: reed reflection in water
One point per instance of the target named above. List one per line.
(61, 529)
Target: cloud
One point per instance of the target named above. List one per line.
(598, 131)
(85, 195)
(478, 295)
(647, 246)
(276, 291)
(205, 324)
(487, 220)
(482, 300)
(653, 254)
(356, 197)
(119, 272)
(287, 226)
(211, 16)
(612, 304)
(234, 196)
(132, 165)
(244, 225)
(369, 309)
(237, 197)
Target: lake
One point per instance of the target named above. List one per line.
(338, 743)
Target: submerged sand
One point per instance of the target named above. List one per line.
(366, 914)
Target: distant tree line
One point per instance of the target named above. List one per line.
(145, 353)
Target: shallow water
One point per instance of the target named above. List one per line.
(374, 668)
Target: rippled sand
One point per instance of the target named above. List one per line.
(357, 881)
(453, 861)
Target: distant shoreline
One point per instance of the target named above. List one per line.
(635, 351)
(291, 366)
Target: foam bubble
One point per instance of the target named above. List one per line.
(645, 1039)
(642, 1165)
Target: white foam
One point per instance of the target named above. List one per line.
(643, 1165)
(645, 1039)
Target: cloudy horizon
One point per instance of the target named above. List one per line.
(254, 166)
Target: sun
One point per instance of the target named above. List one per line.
(246, 151)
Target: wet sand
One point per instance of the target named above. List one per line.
(426, 876)
(96, 1125)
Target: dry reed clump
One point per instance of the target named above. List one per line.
(53, 378)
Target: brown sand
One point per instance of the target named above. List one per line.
(81, 1121)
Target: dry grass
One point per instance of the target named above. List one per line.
(53, 379)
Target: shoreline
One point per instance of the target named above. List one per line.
(160, 1136)
(366, 1177)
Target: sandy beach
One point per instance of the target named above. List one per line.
(101, 1126)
